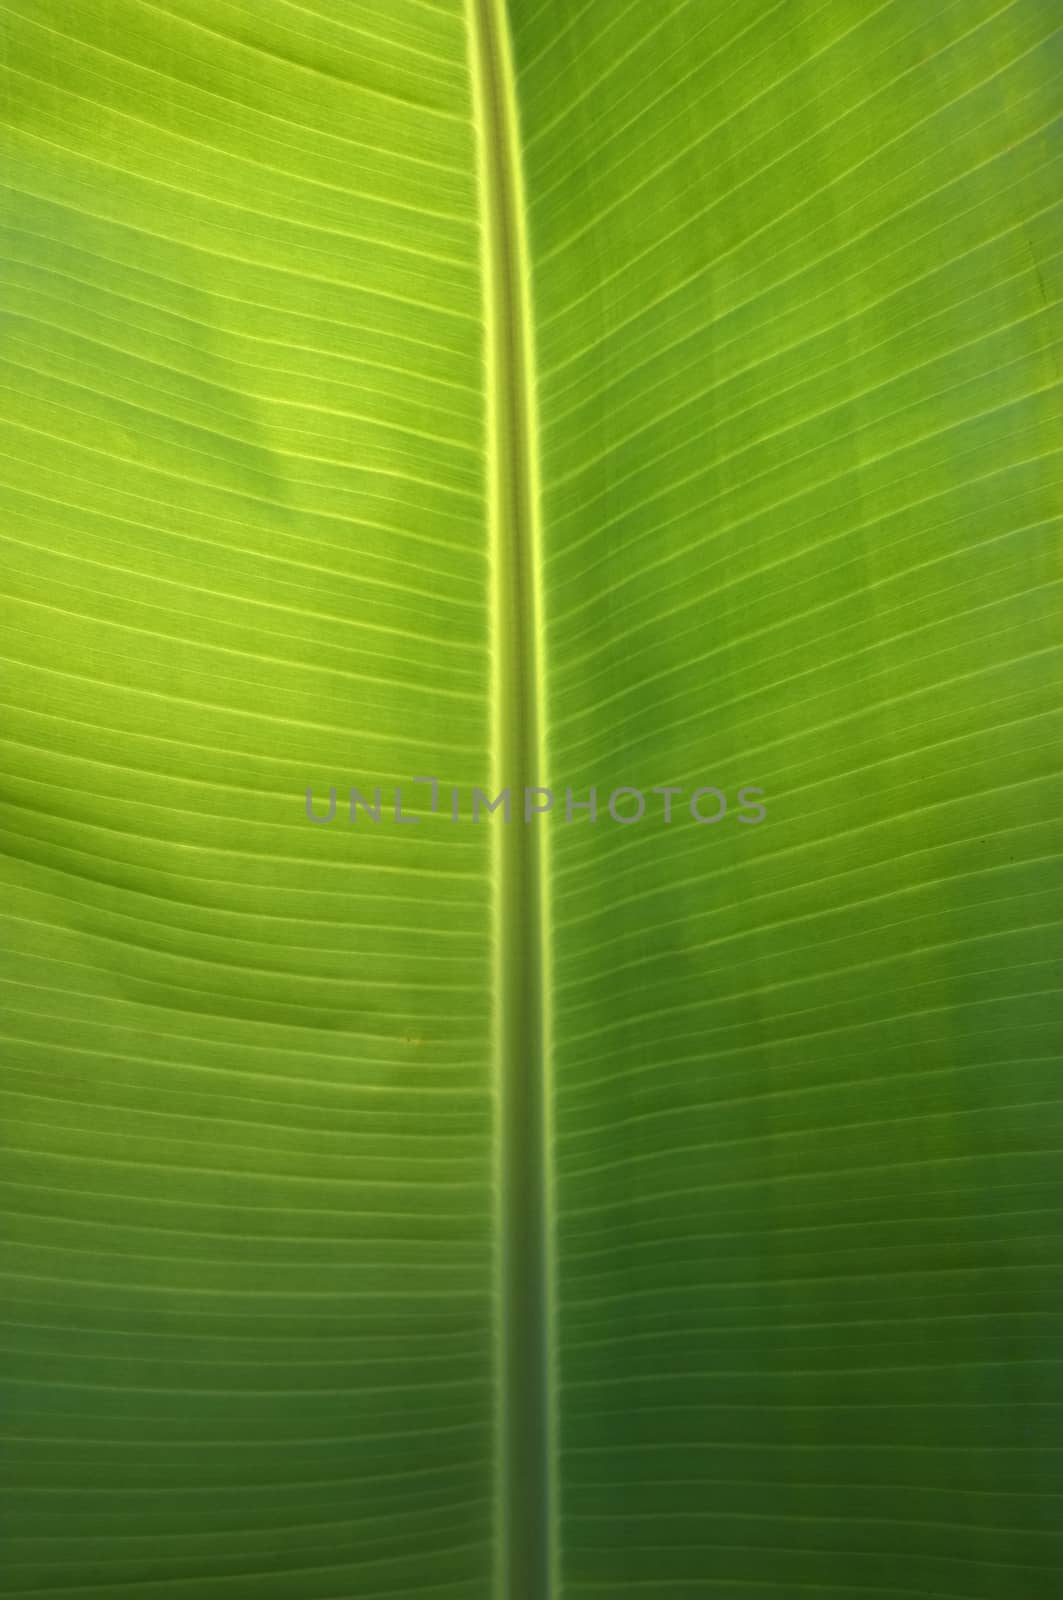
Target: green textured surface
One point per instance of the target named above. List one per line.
(795, 345)
(797, 274)
(248, 1074)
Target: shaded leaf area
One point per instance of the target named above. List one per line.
(247, 1095)
(796, 275)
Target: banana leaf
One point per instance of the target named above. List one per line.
(530, 802)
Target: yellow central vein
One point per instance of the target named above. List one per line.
(527, 1387)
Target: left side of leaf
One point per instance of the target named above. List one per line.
(247, 1101)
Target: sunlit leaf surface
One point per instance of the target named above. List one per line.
(577, 392)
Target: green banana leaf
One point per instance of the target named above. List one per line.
(532, 395)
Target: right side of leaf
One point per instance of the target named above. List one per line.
(796, 279)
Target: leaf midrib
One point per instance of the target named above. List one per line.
(526, 1523)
